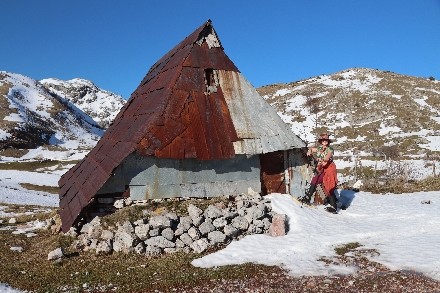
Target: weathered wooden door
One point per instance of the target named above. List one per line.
(272, 173)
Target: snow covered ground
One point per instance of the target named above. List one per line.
(404, 231)
(4, 288)
(400, 227)
(11, 192)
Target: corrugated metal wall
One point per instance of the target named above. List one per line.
(297, 172)
(151, 177)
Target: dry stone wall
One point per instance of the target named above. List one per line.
(197, 231)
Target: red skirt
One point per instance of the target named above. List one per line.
(330, 177)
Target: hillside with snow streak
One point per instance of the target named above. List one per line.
(101, 105)
(371, 115)
(37, 123)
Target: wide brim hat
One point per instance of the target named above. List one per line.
(324, 136)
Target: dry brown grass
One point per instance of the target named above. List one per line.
(35, 165)
(44, 188)
(400, 185)
(13, 152)
(30, 269)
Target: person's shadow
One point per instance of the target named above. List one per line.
(345, 197)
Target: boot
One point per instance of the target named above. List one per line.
(308, 196)
(333, 203)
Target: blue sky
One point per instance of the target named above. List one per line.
(114, 43)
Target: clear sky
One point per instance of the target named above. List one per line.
(114, 43)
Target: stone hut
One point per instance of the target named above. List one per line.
(194, 127)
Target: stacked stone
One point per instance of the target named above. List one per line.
(168, 232)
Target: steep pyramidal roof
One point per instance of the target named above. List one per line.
(193, 103)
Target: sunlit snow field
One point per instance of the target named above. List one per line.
(400, 227)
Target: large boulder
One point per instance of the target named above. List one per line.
(194, 233)
(197, 221)
(255, 213)
(186, 239)
(126, 227)
(219, 222)
(278, 226)
(168, 233)
(125, 242)
(142, 231)
(229, 214)
(231, 231)
(106, 235)
(94, 232)
(184, 224)
(104, 247)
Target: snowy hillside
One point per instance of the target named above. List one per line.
(36, 123)
(371, 114)
(101, 105)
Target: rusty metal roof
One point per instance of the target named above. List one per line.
(187, 106)
(167, 116)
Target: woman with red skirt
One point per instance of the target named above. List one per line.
(326, 172)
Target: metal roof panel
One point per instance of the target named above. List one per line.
(253, 117)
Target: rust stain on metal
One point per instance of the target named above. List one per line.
(219, 60)
(207, 125)
(197, 57)
(205, 57)
(178, 58)
(223, 124)
(191, 79)
(198, 134)
(227, 119)
(165, 80)
(177, 148)
(177, 104)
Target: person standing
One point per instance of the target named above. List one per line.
(326, 172)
